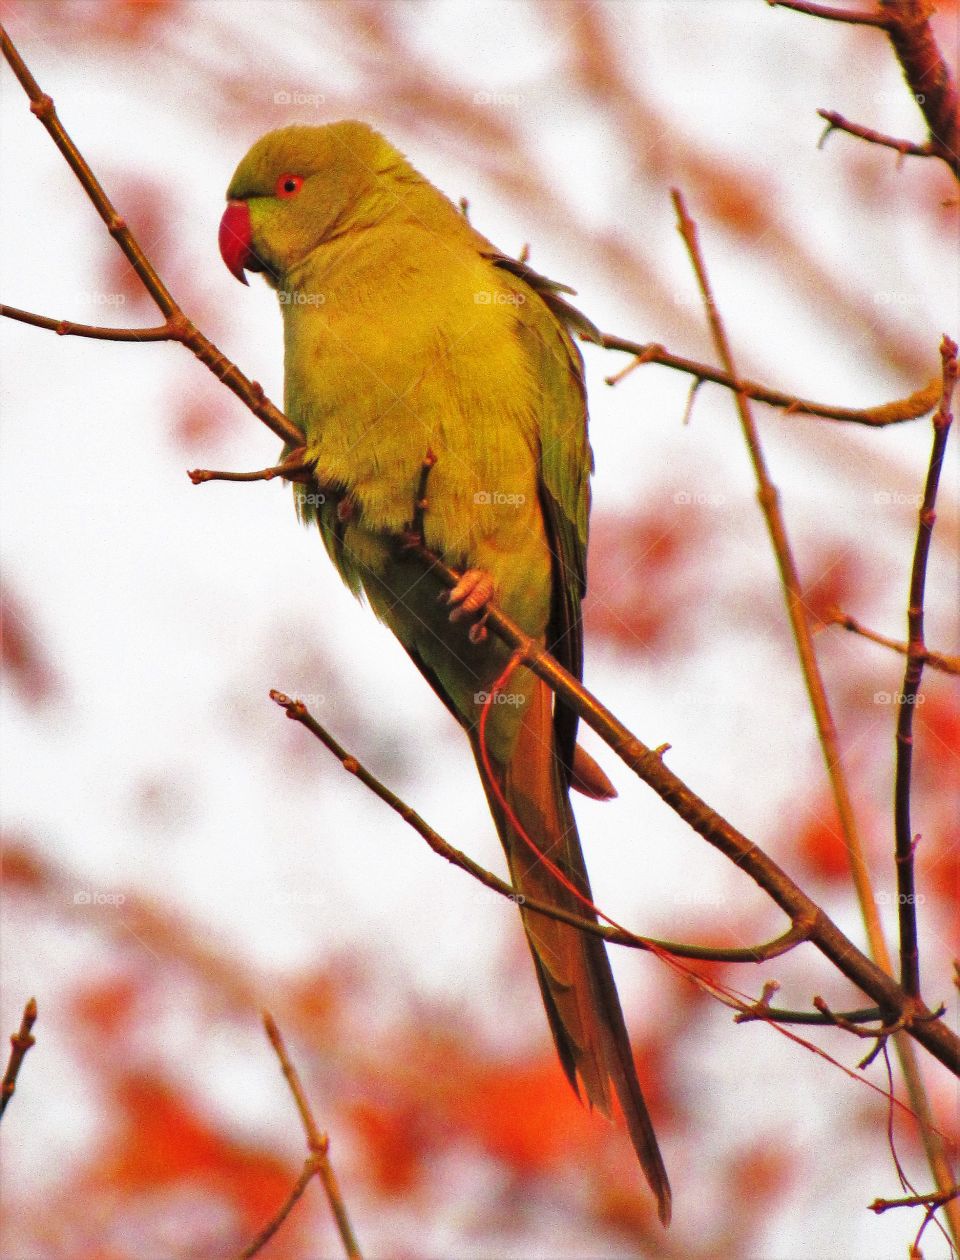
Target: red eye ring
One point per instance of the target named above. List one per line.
(289, 185)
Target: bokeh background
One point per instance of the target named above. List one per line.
(177, 855)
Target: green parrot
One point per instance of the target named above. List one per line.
(407, 334)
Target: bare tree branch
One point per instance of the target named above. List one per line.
(67, 328)
(936, 660)
(918, 404)
(317, 1163)
(854, 16)
(837, 122)
(907, 24)
(20, 1043)
(906, 891)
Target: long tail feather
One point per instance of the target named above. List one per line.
(576, 981)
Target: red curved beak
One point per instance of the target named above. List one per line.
(236, 232)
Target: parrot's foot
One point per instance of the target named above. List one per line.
(470, 597)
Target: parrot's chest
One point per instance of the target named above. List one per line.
(377, 382)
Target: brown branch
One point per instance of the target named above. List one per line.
(297, 711)
(311, 1168)
(317, 1163)
(907, 25)
(764, 1011)
(918, 404)
(67, 328)
(906, 890)
(916, 1200)
(855, 17)
(837, 122)
(20, 1043)
(293, 468)
(926, 72)
(936, 660)
(180, 328)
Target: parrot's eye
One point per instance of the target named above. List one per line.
(289, 185)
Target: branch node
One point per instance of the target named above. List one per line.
(43, 107)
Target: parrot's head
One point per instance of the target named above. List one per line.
(299, 186)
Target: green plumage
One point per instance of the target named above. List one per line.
(406, 332)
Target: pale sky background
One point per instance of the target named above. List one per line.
(170, 610)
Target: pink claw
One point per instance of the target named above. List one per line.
(471, 595)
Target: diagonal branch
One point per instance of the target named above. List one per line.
(20, 1043)
(856, 17)
(180, 328)
(837, 122)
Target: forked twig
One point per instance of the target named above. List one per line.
(317, 1163)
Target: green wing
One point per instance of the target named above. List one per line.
(566, 462)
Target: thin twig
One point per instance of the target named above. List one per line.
(307, 1173)
(906, 891)
(906, 148)
(20, 1043)
(67, 328)
(769, 500)
(916, 1200)
(918, 404)
(935, 660)
(764, 1011)
(856, 17)
(318, 1144)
